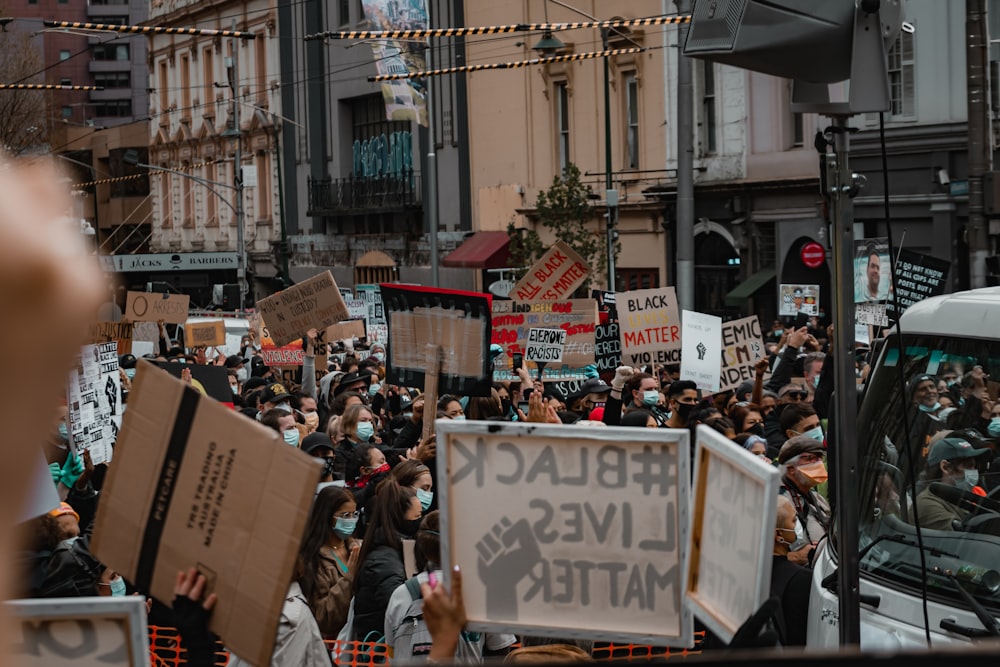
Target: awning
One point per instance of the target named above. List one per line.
(749, 287)
(482, 250)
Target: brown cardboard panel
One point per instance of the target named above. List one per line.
(205, 334)
(314, 303)
(155, 306)
(555, 276)
(195, 484)
(105, 332)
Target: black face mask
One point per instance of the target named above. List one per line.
(684, 410)
(410, 527)
(505, 406)
(757, 429)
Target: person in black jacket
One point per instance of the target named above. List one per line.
(790, 583)
(395, 516)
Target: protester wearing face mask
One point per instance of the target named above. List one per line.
(329, 558)
(111, 584)
(395, 516)
(284, 423)
(417, 476)
(924, 394)
(321, 447)
(452, 408)
(237, 363)
(747, 418)
(952, 461)
(275, 396)
(309, 411)
(804, 470)
(357, 425)
(790, 583)
(797, 419)
(683, 396)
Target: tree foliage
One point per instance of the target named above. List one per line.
(563, 209)
(23, 114)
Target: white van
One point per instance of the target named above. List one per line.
(951, 333)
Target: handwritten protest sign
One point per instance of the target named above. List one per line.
(607, 347)
(733, 520)
(918, 277)
(555, 275)
(376, 321)
(155, 306)
(650, 324)
(545, 345)
(457, 321)
(512, 320)
(205, 334)
(590, 539)
(94, 402)
(701, 337)
(876, 314)
(194, 483)
(104, 332)
(314, 303)
(742, 347)
(348, 329)
(288, 355)
(79, 632)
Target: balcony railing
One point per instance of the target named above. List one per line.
(346, 196)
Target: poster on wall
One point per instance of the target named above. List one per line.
(797, 299)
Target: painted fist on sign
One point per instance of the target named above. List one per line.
(506, 554)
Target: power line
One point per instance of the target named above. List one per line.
(148, 29)
(496, 29)
(45, 86)
(511, 65)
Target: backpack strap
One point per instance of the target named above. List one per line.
(413, 586)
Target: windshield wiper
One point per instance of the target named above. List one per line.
(992, 627)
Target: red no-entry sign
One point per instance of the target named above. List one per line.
(813, 255)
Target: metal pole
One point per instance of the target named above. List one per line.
(241, 247)
(432, 183)
(611, 195)
(978, 107)
(845, 452)
(685, 169)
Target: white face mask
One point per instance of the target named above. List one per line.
(971, 477)
(241, 375)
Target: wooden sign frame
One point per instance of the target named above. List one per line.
(714, 449)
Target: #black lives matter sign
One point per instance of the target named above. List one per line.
(589, 540)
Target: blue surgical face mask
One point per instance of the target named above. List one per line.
(651, 397)
(285, 407)
(815, 381)
(971, 477)
(778, 332)
(63, 431)
(118, 587)
(291, 437)
(130, 373)
(425, 498)
(815, 433)
(365, 431)
(379, 356)
(994, 428)
(930, 408)
(344, 528)
(374, 389)
(459, 418)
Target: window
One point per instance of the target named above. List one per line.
(345, 12)
(901, 77)
(64, 54)
(263, 163)
(166, 198)
(187, 197)
(633, 279)
(260, 62)
(113, 109)
(631, 121)
(114, 20)
(109, 2)
(111, 52)
(208, 74)
(113, 79)
(66, 82)
(369, 128)
(708, 143)
(562, 124)
(211, 201)
(67, 112)
(185, 85)
(162, 86)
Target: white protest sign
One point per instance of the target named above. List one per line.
(650, 324)
(729, 566)
(79, 632)
(702, 348)
(94, 402)
(590, 539)
(742, 347)
(545, 345)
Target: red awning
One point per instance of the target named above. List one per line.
(482, 250)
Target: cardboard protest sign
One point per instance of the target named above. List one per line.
(348, 329)
(742, 347)
(313, 303)
(873, 313)
(104, 332)
(156, 306)
(512, 320)
(435, 357)
(376, 322)
(795, 299)
(146, 332)
(79, 632)
(205, 334)
(650, 324)
(607, 304)
(607, 347)
(457, 321)
(195, 484)
(701, 336)
(871, 270)
(918, 277)
(545, 345)
(555, 275)
(590, 539)
(731, 538)
(94, 402)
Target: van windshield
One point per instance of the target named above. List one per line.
(901, 448)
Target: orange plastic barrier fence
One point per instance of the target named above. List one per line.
(167, 650)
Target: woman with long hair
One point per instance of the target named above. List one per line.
(395, 516)
(328, 559)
